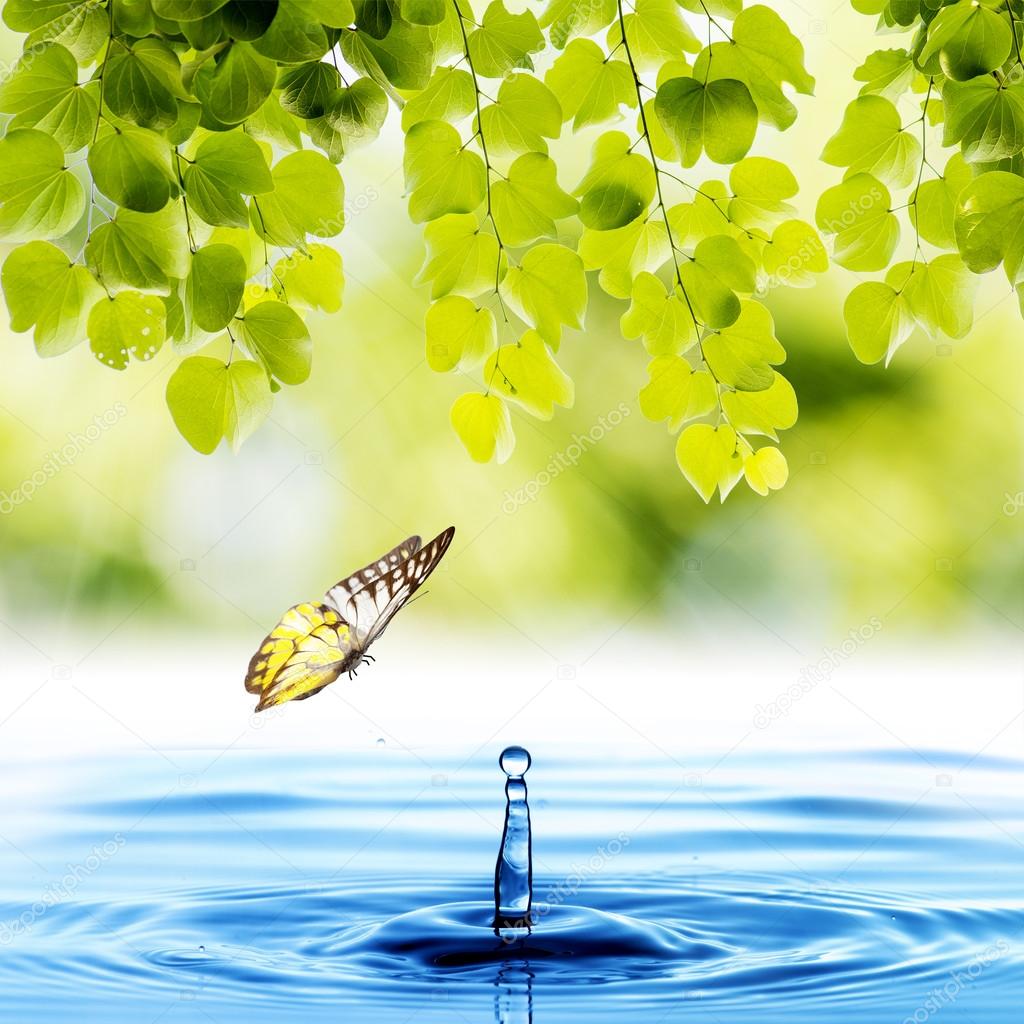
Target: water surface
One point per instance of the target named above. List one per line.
(258, 886)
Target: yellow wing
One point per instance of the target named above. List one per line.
(308, 649)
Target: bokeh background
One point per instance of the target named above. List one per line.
(137, 580)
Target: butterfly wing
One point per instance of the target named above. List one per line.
(342, 591)
(308, 649)
(372, 608)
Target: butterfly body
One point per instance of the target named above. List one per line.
(316, 642)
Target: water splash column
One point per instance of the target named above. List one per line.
(513, 873)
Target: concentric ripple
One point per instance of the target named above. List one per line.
(766, 900)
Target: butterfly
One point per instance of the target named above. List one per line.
(314, 643)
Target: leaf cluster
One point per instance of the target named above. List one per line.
(932, 155)
(168, 167)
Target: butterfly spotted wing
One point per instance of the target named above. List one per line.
(339, 595)
(370, 609)
(308, 649)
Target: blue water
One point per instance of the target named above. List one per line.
(269, 886)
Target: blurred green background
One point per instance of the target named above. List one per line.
(903, 501)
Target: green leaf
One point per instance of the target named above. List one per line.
(709, 459)
(766, 470)
(742, 354)
(274, 334)
(568, 18)
(332, 13)
(128, 323)
(39, 197)
(143, 251)
(707, 214)
(28, 15)
(448, 96)
(655, 33)
(308, 198)
(590, 88)
(460, 257)
(548, 289)
(871, 139)
(459, 334)
(133, 168)
(528, 201)
(273, 124)
(676, 392)
(985, 117)
(45, 290)
(404, 59)
(725, 8)
(969, 38)
(760, 186)
(989, 224)
(659, 316)
(296, 34)
(238, 85)
(358, 111)
(857, 212)
(762, 412)
(225, 167)
(43, 92)
(80, 25)
(483, 425)
(622, 253)
(504, 41)
(185, 10)
(619, 185)
(423, 12)
(718, 270)
(878, 321)
(313, 278)
(887, 73)
(215, 285)
(933, 205)
(307, 88)
(940, 294)
(142, 83)
(440, 174)
(718, 118)
(762, 54)
(795, 255)
(526, 112)
(248, 400)
(526, 373)
(197, 398)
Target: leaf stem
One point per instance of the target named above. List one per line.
(487, 160)
(920, 174)
(697, 325)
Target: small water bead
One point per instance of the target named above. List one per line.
(515, 762)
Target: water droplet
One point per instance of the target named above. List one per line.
(515, 762)
(380, 741)
(202, 949)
